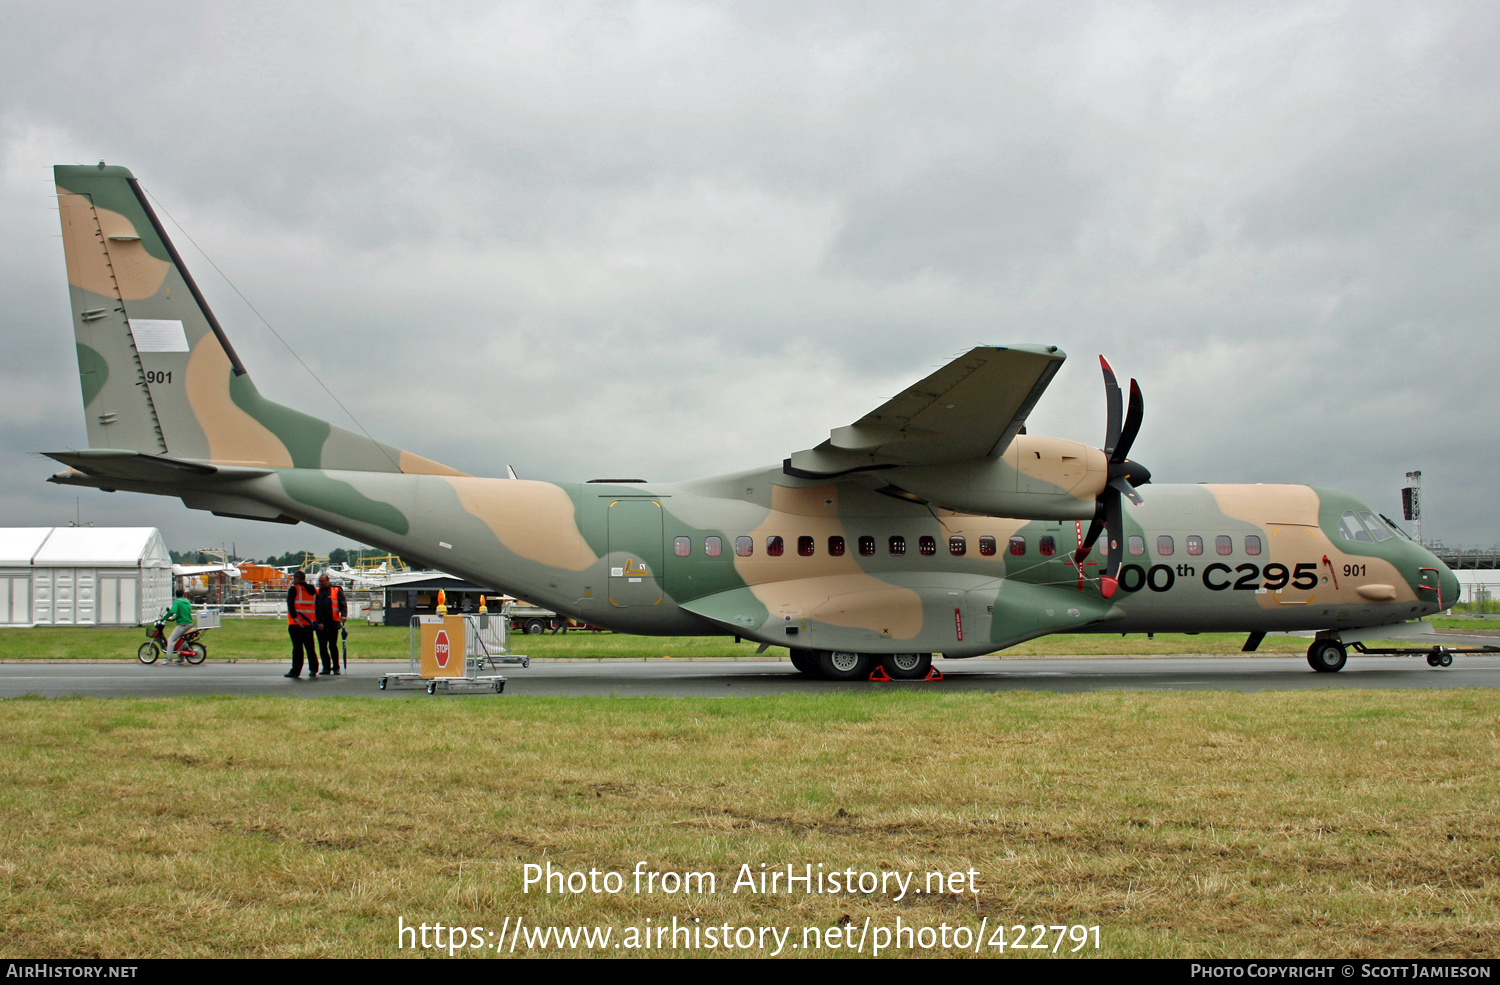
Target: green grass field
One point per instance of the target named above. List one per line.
(266, 639)
(1325, 823)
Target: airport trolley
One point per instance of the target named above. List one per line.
(439, 662)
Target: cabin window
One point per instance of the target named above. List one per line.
(1017, 545)
(1136, 546)
(805, 546)
(957, 547)
(1224, 544)
(682, 546)
(774, 546)
(1047, 545)
(1164, 545)
(1376, 530)
(927, 546)
(867, 546)
(987, 546)
(836, 546)
(1194, 545)
(744, 546)
(898, 545)
(1252, 545)
(713, 546)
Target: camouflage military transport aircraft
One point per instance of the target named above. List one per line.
(935, 523)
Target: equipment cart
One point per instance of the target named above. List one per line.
(451, 652)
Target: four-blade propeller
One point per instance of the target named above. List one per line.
(1124, 477)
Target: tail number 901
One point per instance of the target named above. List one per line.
(1250, 578)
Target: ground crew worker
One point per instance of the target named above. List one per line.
(331, 609)
(301, 616)
(180, 612)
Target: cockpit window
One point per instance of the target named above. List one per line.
(1351, 529)
(1376, 528)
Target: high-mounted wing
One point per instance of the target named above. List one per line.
(971, 408)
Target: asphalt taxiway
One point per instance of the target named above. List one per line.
(736, 678)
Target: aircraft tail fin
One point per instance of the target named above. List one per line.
(158, 373)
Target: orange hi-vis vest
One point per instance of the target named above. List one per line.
(335, 593)
(305, 605)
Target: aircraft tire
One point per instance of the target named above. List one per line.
(1327, 656)
(907, 666)
(841, 665)
(805, 661)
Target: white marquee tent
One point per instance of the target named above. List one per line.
(83, 576)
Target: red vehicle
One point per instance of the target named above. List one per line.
(190, 647)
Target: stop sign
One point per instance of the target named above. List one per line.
(440, 648)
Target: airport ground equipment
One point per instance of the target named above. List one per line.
(488, 642)
(534, 620)
(449, 653)
(1330, 651)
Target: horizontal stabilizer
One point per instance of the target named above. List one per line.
(134, 466)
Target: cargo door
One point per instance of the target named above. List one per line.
(635, 552)
(1291, 571)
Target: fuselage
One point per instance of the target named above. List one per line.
(839, 565)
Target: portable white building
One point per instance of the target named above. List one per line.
(83, 576)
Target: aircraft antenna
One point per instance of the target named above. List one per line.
(204, 253)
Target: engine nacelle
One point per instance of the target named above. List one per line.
(1037, 478)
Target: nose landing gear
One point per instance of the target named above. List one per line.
(1327, 656)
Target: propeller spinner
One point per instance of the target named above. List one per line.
(1124, 477)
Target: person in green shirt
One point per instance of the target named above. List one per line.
(180, 612)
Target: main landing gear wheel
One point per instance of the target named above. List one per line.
(907, 666)
(1327, 656)
(805, 661)
(841, 665)
(148, 652)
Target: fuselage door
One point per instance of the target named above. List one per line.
(1291, 570)
(635, 552)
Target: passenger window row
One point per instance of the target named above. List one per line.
(958, 546)
(1166, 546)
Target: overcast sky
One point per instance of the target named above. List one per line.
(671, 239)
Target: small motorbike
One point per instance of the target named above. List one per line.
(189, 648)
